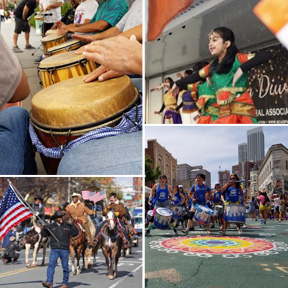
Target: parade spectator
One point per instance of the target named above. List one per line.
(264, 205)
(16, 154)
(282, 208)
(22, 13)
(276, 207)
(10, 254)
(52, 9)
(252, 209)
(59, 247)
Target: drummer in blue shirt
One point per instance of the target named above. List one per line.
(217, 201)
(199, 194)
(163, 191)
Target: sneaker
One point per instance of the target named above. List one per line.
(16, 49)
(29, 47)
(212, 226)
(239, 231)
(175, 232)
(47, 284)
(148, 232)
(222, 232)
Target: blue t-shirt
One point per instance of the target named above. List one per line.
(217, 196)
(111, 11)
(177, 199)
(162, 195)
(200, 192)
(232, 194)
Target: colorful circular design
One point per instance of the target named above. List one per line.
(217, 245)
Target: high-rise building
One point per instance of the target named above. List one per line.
(242, 152)
(223, 177)
(183, 171)
(255, 141)
(199, 169)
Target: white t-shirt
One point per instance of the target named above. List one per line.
(276, 201)
(132, 18)
(10, 72)
(86, 10)
(56, 12)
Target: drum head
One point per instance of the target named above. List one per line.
(73, 104)
(164, 211)
(59, 60)
(63, 46)
(150, 213)
(52, 37)
(50, 32)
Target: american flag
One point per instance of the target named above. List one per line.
(86, 195)
(12, 212)
(98, 196)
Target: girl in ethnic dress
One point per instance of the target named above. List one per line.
(228, 77)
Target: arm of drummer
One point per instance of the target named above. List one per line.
(41, 9)
(53, 6)
(118, 54)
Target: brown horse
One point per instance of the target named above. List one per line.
(111, 243)
(77, 245)
(34, 240)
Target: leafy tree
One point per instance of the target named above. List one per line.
(150, 173)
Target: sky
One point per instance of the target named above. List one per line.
(125, 181)
(210, 146)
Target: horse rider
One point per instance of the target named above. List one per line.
(38, 206)
(59, 247)
(127, 220)
(120, 212)
(77, 210)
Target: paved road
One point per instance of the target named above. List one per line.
(257, 258)
(129, 273)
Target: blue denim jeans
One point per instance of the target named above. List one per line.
(114, 155)
(54, 255)
(16, 153)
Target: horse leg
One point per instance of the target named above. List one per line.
(35, 252)
(88, 253)
(84, 250)
(95, 251)
(27, 248)
(78, 254)
(72, 254)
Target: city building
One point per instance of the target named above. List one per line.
(273, 168)
(242, 152)
(223, 177)
(255, 144)
(254, 181)
(199, 169)
(162, 158)
(183, 171)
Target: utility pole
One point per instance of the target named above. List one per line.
(69, 187)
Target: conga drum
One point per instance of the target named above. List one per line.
(51, 32)
(52, 40)
(61, 67)
(69, 45)
(202, 215)
(66, 110)
(39, 17)
(162, 218)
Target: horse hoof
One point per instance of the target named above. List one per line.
(111, 277)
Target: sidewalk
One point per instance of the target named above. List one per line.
(30, 68)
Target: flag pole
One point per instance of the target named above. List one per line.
(26, 204)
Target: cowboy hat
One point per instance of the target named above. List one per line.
(38, 197)
(76, 195)
(57, 214)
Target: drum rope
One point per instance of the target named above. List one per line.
(83, 64)
(51, 72)
(125, 126)
(38, 72)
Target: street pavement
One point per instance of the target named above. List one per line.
(129, 273)
(258, 258)
(27, 62)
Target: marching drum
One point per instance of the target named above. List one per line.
(64, 111)
(69, 45)
(162, 218)
(61, 67)
(177, 212)
(149, 216)
(53, 40)
(202, 215)
(218, 210)
(234, 213)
